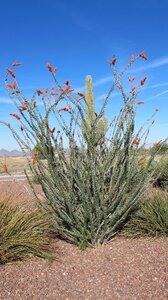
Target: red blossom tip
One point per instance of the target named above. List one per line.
(81, 95)
(142, 82)
(66, 82)
(49, 67)
(135, 142)
(142, 55)
(132, 58)
(16, 64)
(5, 168)
(113, 61)
(15, 116)
(131, 79)
(51, 130)
(11, 72)
(140, 102)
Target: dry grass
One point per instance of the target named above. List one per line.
(15, 164)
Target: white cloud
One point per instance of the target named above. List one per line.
(5, 100)
(158, 95)
(155, 64)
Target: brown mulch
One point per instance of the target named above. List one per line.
(123, 269)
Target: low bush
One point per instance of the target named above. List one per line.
(160, 148)
(150, 219)
(23, 233)
(160, 174)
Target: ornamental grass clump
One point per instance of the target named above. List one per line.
(23, 234)
(94, 170)
(150, 219)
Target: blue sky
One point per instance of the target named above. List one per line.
(79, 37)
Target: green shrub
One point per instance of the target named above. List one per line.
(150, 219)
(90, 192)
(160, 148)
(22, 233)
(161, 174)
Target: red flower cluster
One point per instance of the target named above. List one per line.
(12, 85)
(66, 91)
(64, 109)
(135, 142)
(51, 130)
(81, 95)
(142, 55)
(16, 64)
(113, 61)
(53, 93)
(140, 102)
(132, 58)
(22, 108)
(11, 72)
(5, 168)
(15, 116)
(143, 81)
(131, 79)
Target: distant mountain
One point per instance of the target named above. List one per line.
(12, 153)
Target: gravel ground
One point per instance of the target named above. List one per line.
(122, 269)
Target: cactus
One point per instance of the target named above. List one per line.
(95, 131)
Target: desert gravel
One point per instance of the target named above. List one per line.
(123, 269)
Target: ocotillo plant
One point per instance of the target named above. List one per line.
(91, 190)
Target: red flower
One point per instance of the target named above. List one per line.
(132, 90)
(12, 86)
(143, 81)
(15, 116)
(113, 61)
(5, 168)
(9, 125)
(135, 142)
(49, 67)
(22, 108)
(131, 79)
(53, 93)
(156, 109)
(39, 92)
(55, 70)
(101, 142)
(132, 58)
(141, 163)
(51, 130)
(81, 94)
(15, 64)
(140, 102)
(119, 87)
(33, 160)
(143, 56)
(66, 82)
(68, 89)
(64, 109)
(58, 131)
(11, 72)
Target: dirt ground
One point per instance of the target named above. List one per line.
(123, 269)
